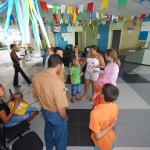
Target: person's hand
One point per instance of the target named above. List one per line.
(101, 75)
(70, 64)
(95, 71)
(81, 74)
(113, 124)
(11, 98)
(16, 103)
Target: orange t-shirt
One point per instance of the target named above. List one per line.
(100, 118)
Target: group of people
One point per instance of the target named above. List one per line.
(49, 88)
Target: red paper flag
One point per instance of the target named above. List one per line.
(55, 18)
(43, 5)
(134, 20)
(143, 16)
(109, 21)
(106, 15)
(77, 10)
(90, 7)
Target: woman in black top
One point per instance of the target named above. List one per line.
(7, 117)
(17, 67)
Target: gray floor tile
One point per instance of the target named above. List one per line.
(122, 140)
(144, 115)
(129, 117)
(139, 135)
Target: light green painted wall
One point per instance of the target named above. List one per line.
(91, 35)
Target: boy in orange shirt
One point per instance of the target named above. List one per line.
(104, 117)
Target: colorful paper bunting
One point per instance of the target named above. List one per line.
(121, 3)
(55, 18)
(66, 21)
(104, 4)
(102, 16)
(84, 12)
(90, 14)
(69, 9)
(90, 7)
(142, 16)
(77, 9)
(134, 21)
(97, 15)
(109, 22)
(81, 8)
(43, 5)
(59, 14)
(63, 8)
(127, 18)
(55, 8)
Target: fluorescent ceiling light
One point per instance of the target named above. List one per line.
(50, 6)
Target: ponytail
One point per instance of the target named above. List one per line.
(117, 61)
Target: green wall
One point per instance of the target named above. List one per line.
(91, 35)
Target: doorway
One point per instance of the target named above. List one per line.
(116, 39)
(76, 38)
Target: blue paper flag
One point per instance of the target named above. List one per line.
(110, 17)
(141, 1)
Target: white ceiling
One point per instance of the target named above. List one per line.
(133, 7)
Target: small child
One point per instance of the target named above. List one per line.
(75, 75)
(23, 107)
(97, 96)
(104, 117)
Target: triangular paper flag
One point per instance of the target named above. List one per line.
(77, 9)
(55, 18)
(142, 16)
(81, 8)
(109, 21)
(84, 12)
(121, 3)
(69, 9)
(104, 4)
(55, 8)
(90, 7)
(61, 21)
(102, 16)
(97, 15)
(141, 1)
(99, 23)
(43, 5)
(59, 15)
(127, 18)
(66, 21)
(63, 8)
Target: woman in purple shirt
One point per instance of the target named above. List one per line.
(112, 69)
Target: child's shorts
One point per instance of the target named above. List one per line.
(113, 146)
(75, 89)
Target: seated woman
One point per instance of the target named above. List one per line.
(7, 117)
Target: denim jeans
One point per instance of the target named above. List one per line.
(16, 119)
(75, 89)
(56, 131)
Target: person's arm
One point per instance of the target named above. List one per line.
(62, 113)
(114, 74)
(101, 62)
(4, 117)
(71, 79)
(104, 131)
(16, 57)
(84, 63)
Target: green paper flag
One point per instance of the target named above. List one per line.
(121, 2)
(84, 12)
(55, 8)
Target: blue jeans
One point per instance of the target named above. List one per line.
(16, 119)
(75, 89)
(56, 131)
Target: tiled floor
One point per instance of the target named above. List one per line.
(133, 127)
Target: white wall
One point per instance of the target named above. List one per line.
(146, 27)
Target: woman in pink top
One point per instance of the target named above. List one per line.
(112, 69)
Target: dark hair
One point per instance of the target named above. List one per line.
(110, 92)
(54, 60)
(1, 85)
(56, 49)
(95, 47)
(17, 95)
(12, 46)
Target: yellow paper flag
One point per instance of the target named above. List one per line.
(99, 23)
(59, 15)
(117, 18)
(104, 4)
(66, 21)
(69, 9)
(102, 16)
(127, 18)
